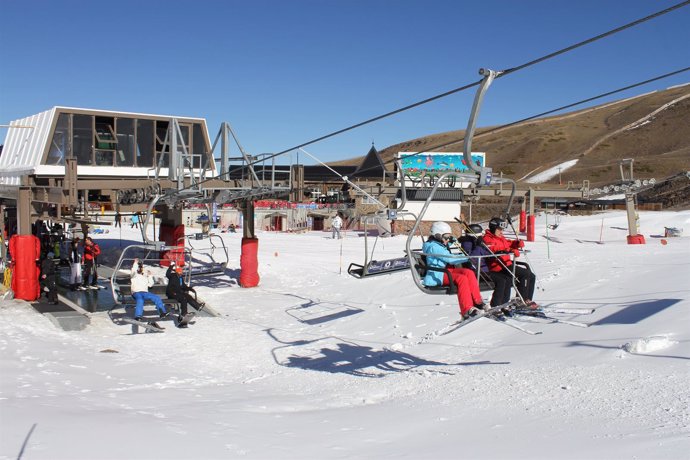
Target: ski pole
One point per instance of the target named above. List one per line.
(548, 246)
(462, 250)
(496, 257)
(529, 262)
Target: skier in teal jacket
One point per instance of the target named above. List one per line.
(439, 256)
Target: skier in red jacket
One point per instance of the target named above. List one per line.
(91, 253)
(502, 247)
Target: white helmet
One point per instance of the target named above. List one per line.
(440, 228)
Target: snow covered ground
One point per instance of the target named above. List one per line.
(314, 363)
(551, 172)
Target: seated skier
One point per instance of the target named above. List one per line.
(141, 281)
(473, 245)
(178, 290)
(438, 255)
(524, 277)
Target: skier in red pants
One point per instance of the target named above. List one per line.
(469, 297)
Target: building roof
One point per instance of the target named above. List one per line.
(24, 145)
(371, 166)
(27, 141)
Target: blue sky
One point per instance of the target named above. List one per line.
(285, 72)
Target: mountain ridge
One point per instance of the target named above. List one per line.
(651, 128)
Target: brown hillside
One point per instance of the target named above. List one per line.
(652, 128)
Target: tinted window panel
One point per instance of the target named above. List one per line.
(200, 147)
(125, 142)
(60, 146)
(145, 143)
(82, 140)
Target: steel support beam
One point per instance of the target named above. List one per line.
(24, 211)
(248, 219)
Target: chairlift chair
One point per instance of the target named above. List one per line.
(556, 223)
(417, 259)
(210, 260)
(153, 259)
(373, 267)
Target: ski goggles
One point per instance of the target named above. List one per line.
(502, 225)
(448, 237)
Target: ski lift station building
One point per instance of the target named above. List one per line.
(121, 158)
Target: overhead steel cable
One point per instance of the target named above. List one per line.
(371, 120)
(462, 88)
(539, 115)
(593, 39)
(502, 73)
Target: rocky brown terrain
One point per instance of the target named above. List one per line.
(653, 129)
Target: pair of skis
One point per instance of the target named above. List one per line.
(510, 313)
(493, 313)
(545, 314)
(149, 326)
(153, 326)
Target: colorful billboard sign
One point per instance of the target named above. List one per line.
(424, 164)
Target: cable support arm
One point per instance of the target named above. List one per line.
(344, 178)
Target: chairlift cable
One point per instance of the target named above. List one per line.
(500, 74)
(507, 125)
(596, 38)
(465, 87)
(344, 178)
(542, 114)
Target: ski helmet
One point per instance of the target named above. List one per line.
(476, 229)
(440, 228)
(497, 222)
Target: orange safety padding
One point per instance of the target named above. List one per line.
(636, 239)
(531, 221)
(171, 235)
(25, 251)
(249, 263)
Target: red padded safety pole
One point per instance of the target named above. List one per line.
(172, 235)
(636, 239)
(249, 263)
(25, 251)
(531, 221)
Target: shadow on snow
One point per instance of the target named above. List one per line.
(353, 359)
(636, 312)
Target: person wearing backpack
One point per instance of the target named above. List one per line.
(48, 275)
(75, 259)
(91, 253)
